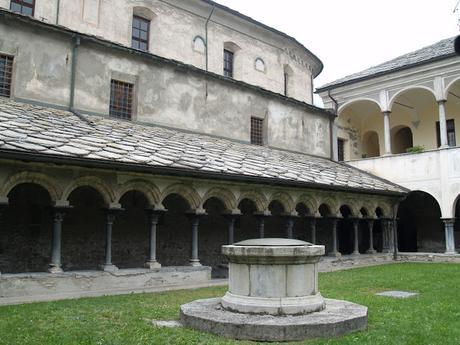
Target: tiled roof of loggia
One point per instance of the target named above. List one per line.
(48, 132)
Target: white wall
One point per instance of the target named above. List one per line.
(435, 172)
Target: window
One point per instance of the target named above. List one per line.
(6, 72)
(228, 63)
(257, 130)
(141, 33)
(25, 7)
(451, 140)
(199, 45)
(286, 83)
(341, 150)
(121, 99)
(260, 65)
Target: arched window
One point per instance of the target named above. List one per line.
(140, 33)
(259, 65)
(199, 44)
(288, 74)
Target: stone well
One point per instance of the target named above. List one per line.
(273, 296)
(273, 276)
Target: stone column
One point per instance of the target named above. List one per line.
(289, 224)
(231, 219)
(335, 240)
(449, 225)
(3, 206)
(152, 262)
(387, 233)
(312, 225)
(260, 218)
(55, 265)
(387, 132)
(443, 124)
(110, 218)
(195, 222)
(356, 236)
(370, 224)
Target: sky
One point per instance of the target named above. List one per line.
(352, 35)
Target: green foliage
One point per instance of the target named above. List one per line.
(429, 319)
(416, 149)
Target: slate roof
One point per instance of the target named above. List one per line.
(440, 50)
(47, 132)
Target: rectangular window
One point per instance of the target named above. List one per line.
(341, 150)
(286, 83)
(25, 7)
(257, 131)
(228, 63)
(121, 100)
(141, 33)
(6, 73)
(451, 140)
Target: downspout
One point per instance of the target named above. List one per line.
(207, 45)
(58, 8)
(76, 40)
(331, 123)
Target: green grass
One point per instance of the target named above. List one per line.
(431, 318)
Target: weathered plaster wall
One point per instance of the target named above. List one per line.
(174, 26)
(164, 95)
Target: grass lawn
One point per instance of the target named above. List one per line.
(431, 318)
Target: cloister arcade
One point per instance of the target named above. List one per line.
(85, 223)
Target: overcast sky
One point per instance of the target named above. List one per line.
(351, 35)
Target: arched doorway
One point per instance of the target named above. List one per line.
(371, 145)
(420, 226)
(130, 239)
(345, 231)
(402, 139)
(84, 231)
(213, 235)
(275, 224)
(246, 224)
(25, 245)
(174, 234)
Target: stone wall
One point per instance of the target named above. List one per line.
(164, 94)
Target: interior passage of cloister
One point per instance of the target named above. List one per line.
(86, 232)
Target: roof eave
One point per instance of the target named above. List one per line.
(179, 172)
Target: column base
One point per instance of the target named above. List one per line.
(335, 254)
(152, 265)
(109, 268)
(448, 253)
(355, 254)
(387, 251)
(195, 263)
(371, 251)
(55, 269)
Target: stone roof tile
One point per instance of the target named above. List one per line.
(58, 132)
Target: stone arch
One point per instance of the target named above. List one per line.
(353, 101)
(226, 196)
(331, 203)
(259, 200)
(310, 203)
(384, 209)
(199, 44)
(187, 192)
(352, 205)
(449, 86)
(402, 91)
(94, 182)
(148, 189)
(285, 200)
(35, 178)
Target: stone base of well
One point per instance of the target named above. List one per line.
(337, 319)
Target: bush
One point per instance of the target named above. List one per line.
(415, 149)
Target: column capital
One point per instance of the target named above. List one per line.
(232, 213)
(441, 101)
(449, 220)
(386, 112)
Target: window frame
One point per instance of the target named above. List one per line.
(257, 131)
(139, 40)
(123, 108)
(451, 139)
(9, 66)
(229, 63)
(341, 149)
(23, 4)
